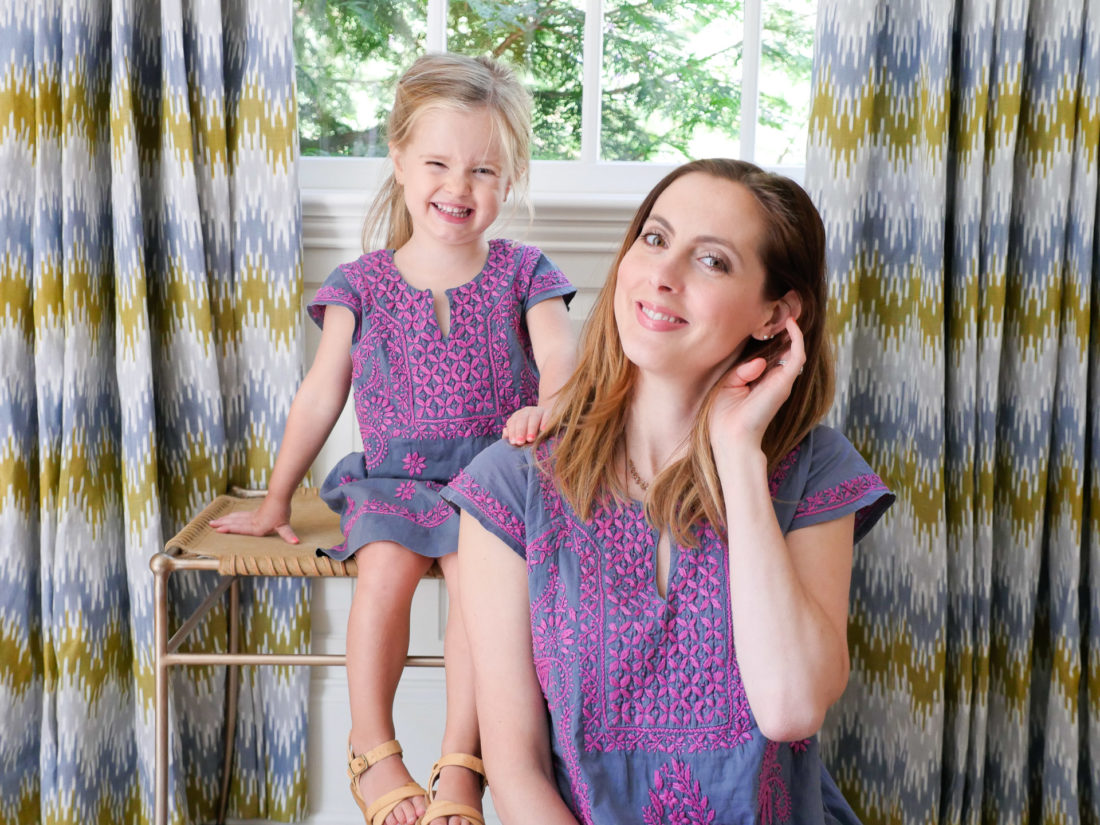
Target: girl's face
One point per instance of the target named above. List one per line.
(690, 290)
(453, 173)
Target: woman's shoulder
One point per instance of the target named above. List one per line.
(493, 488)
(825, 477)
(501, 462)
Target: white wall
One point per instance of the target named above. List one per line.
(581, 235)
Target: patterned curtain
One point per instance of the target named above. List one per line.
(954, 155)
(150, 345)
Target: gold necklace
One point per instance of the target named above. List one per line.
(634, 475)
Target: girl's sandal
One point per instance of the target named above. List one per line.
(380, 808)
(440, 809)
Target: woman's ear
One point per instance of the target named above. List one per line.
(791, 303)
(789, 306)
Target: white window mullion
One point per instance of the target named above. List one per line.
(592, 67)
(750, 77)
(437, 26)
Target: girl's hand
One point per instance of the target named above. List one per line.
(269, 517)
(524, 424)
(751, 393)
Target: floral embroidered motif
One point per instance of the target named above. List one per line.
(411, 382)
(429, 519)
(414, 463)
(405, 490)
(553, 671)
(773, 801)
(655, 673)
(327, 295)
(800, 745)
(840, 495)
(490, 506)
(676, 798)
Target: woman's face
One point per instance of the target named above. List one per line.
(690, 290)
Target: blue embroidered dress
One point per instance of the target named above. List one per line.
(648, 716)
(426, 404)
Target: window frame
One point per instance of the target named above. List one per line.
(597, 182)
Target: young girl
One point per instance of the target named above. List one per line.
(665, 571)
(438, 336)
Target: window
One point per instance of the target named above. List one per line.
(622, 89)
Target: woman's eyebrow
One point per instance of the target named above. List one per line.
(658, 219)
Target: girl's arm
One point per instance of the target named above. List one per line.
(316, 406)
(555, 350)
(511, 711)
(789, 595)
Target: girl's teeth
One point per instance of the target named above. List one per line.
(458, 212)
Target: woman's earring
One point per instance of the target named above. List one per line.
(764, 337)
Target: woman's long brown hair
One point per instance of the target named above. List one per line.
(588, 425)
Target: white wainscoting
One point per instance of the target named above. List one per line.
(582, 236)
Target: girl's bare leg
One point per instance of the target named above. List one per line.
(460, 733)
(377, 644)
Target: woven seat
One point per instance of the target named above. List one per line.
(314, 523)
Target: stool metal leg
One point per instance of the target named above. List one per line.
(161, 568)
(233, 678)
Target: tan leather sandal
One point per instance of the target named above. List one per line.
(380, 808)
(439, 809)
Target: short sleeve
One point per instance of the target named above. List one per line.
(825, 478)
(542, 279)
(493, 489)
(343, 287)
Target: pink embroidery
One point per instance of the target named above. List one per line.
(489, 506)
(840, 495)
(773, 802)
(553, 671)
(414, 463)
(432, 387)
(800, 745)
(428, 519)
(676, 798)
(656, 674)
(405, 490)
(332, 295)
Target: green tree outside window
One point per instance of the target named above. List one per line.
(670, 72)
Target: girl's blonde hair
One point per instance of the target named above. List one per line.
(588, 425)
(455, 83)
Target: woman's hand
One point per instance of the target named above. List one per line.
(750, 394)
(269, 517)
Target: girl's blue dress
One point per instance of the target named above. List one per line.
(427, 403)
(649, 722)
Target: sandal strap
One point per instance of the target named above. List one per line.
(383, 805)
(358, 764)
(442, 810)
(460, 760)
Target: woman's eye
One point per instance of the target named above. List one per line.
(714, 262)
(652, 239)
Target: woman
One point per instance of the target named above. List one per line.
(682, 497)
